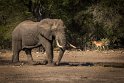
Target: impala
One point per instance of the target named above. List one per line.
(100, 45)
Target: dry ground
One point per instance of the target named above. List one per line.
(76, 67)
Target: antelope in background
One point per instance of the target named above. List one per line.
(101, 45)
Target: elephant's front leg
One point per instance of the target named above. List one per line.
(49, 52)
(61, 52)
(29, 56)
(47, 44)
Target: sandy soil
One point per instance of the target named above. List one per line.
(76, 67)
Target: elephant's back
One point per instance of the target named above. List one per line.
(21, 28)
(25, 25)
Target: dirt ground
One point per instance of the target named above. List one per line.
(75, 67)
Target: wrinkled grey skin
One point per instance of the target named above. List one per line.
(28, 35)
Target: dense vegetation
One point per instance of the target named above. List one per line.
(86, 20)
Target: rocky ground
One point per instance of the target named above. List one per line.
(76, 67)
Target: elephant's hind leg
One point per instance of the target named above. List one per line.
(16, 47)
(29, 56)
(15, 56)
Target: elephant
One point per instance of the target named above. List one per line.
(28, 35)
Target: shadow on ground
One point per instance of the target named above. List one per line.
(104, 64)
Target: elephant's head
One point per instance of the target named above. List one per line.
(54, 29)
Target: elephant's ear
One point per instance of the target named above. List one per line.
(44, 28)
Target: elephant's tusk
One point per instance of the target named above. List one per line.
(58, 44)
(72, 45)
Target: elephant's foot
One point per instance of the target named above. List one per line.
(56, 63)
(50, 64)
(32, 62)
(43, 62)
(15, 61)
(53, 64)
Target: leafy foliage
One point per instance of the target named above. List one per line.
(86, 20)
